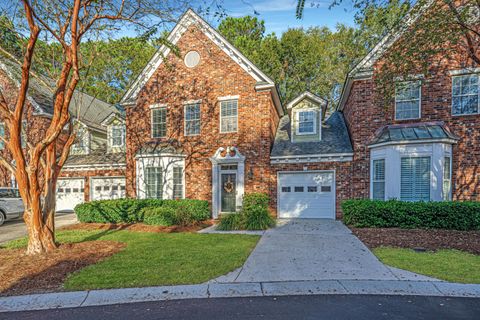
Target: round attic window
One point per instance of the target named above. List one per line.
(192, 59)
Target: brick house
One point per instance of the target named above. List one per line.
(423, 145)
(95, 168)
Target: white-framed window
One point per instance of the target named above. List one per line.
(118, 136)
(306, 122)
(159, 122)
(465, 93)
(447, 179)
(408, 100)
(177, 182)
(154, 182)
(378, 179)
(228, 116)
(192, 119)
(2, 134)
(415, 179)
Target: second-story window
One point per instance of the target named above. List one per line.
(192, 119)
(465, 94)
(118, 136)
(306, 122)
(159, 122)
(407, 100)
(229, 116)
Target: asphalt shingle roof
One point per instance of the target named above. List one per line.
(335, 139)
(97, 156)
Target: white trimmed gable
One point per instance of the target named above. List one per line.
(188, 19)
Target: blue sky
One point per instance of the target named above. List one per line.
(279, 15)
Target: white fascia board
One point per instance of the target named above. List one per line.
(159, 154)
(189, 18)
(403, 142)
(312, 159)
(309, 95)
(86, 167)
(464, 71)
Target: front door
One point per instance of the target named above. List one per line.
(228, 185)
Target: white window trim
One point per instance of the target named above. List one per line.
(478, 107)
(220, 115)
(431, 178)
(163, 106)
(122, 129)
(226, 98)
(185, 118)
(419, 82)
(449, 196)
(183, 180)
(297, 122)
(158, 105)
(372, 175)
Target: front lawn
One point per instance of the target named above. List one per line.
(449, 265)
(152, 259)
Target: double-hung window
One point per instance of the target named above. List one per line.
(154, 182)
(177, 183)
(407, 100)
(192, 119)
(415, 179)
(306, 121)
(447, 179)
(228, 116)
(465, 93)
(378, 179)
(118, 136)
(159, 122)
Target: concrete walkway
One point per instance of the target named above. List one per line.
(15, 229)
(310, 250)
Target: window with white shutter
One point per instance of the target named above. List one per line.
(378, 179)
(415, 179)
(154, 182)
(177, 182)
(447, 179)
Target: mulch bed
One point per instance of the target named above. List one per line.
(140, 227)
(468, 241)
(22, 274)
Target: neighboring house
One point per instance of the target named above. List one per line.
(98, 152)
(422, 146)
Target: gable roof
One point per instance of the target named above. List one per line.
(364, 68)
(83, 107)
(309, 95)
(191, 18)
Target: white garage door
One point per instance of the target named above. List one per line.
(107, 188)
(70, 192)
(306, 195)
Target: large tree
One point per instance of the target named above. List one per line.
(66, 23)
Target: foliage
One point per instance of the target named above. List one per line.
(448, 265)
(453, 215)
(254, 215)
(133, 210)
(156, 259)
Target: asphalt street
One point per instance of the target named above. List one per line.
(295, 307)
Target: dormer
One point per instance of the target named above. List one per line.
(306, 114)
(82, 140)
(115, 125)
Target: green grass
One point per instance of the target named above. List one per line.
(152, 259)
(449, 265)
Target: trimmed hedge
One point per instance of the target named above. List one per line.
(133, 210)
(159, 216)
(454, 215)
(254, 215)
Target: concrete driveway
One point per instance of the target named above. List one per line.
(15, 229)
(313, 249)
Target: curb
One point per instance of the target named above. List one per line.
(77, 299)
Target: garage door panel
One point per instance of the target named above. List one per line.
(70, 192)
(108, 188)
(306, 195)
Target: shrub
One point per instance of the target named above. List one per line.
(254, 215)
(453, 215)
(133, 210)
(159, 216)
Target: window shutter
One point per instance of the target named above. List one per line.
(378, 179)
(415, 179)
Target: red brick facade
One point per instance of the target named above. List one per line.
(364, 116)
(217, 75)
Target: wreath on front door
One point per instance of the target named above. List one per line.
(228, 185)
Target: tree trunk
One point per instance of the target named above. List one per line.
(41, 236)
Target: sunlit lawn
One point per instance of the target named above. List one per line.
(151, 259)
(449, 265)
